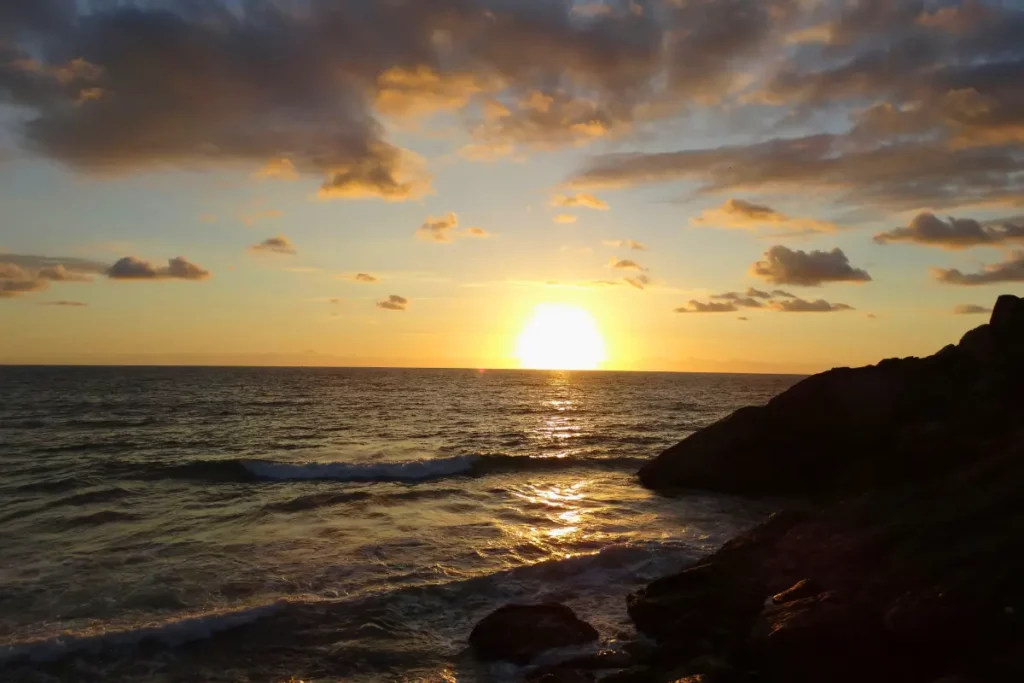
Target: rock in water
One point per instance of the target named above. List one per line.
(518, 632)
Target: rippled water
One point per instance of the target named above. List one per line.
(331, 524)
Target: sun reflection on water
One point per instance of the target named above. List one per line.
(559, 515)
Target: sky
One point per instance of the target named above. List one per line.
(724, 186)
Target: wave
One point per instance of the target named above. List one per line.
(171, 633)
(248, 470)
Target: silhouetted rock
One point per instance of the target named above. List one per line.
(518, 632)
(850, 430)
(908, 569)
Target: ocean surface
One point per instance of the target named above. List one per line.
(227, 524)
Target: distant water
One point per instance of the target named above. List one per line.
(223, 524)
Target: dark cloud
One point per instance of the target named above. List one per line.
(64, 302)
(710, 307)
(187, 83)
(760, 294)
(953, 233)
(364, 277)
(970, 309)
(805, 306)
(784, 266)
(178, 268)
(903, 175)
(743, 318)
(28, 273)
(278, 244)
(394, 303)
(1010, 270)
(783, 293)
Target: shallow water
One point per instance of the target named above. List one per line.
(331, 524)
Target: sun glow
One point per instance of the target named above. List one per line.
(560, 337)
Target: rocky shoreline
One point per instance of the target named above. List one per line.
(905, 561)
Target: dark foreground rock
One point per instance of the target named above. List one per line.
(855, 429)
(518, 632)
(908, 568)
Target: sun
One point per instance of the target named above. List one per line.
(560, 337)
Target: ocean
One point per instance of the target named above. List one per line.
(332, 524)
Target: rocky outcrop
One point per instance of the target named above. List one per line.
(908, 566)
(518, 632)
(850, 430)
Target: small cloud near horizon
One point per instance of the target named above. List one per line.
(744, 215)
(177, 268)
(394, 303)
(279, 244)
(64, 302)
(625, 264)
(565, 218)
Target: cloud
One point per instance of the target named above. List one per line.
(28, 273)
(804, 306)
(783, 266)
(953, 233)
(422, 91)
(711, 307)
(64, 302)
(178, 268)
(477, 232)
(625, 264)
(394, 303)
(761, 294)
(565, 218)
(739, 213)
(638, 281)
(438, 229)
(783, 293)
(628, 244)
(1010, 270)
(740, 299)
(15, 280)
(274, 245)
(970, 309)
(743, 318)
(363, 278)
(579, 200)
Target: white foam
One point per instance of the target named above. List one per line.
(171, 633)
(413, 470)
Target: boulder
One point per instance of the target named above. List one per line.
(518, 632)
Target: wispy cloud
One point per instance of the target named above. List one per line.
(579, 200)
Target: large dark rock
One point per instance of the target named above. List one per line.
(850, 430)
(908, 566)
(518, 632)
